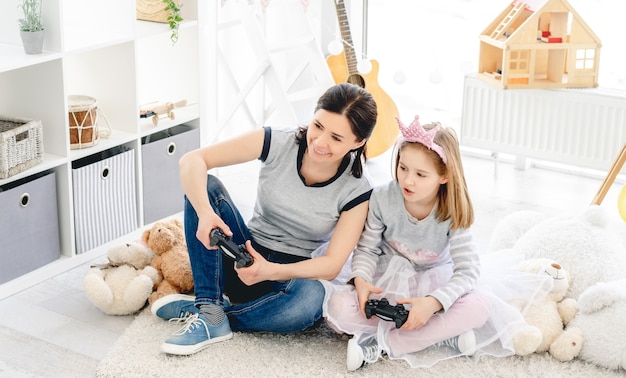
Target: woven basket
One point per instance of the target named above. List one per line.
(21, 145)
(151, 10)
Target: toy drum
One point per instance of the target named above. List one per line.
(83, 117)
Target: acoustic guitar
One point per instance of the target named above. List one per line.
(343, 67)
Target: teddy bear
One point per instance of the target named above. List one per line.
(545, 318)
(166, 239)
(601, 311)
(587, 243)
(508, 231)
(123, 285)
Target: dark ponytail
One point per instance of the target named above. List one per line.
(359, 160)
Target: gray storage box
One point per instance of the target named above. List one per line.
(162, 193)
(105, 199)
(29, 228)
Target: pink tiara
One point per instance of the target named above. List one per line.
(416, 133)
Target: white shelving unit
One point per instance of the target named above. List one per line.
(237, 65)
(95, 48)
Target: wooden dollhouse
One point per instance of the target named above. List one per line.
(539, 44)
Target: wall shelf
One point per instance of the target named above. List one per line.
(98, 49)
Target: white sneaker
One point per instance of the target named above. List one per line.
(464, 343)
(359, 355)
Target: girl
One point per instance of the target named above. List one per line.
(312, 194)
(417, 251)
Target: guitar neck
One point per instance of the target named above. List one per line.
(386, 129)
(346, 37)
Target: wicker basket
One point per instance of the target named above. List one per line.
(21, 145)
(151, 10)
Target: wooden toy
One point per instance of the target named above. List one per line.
(610, 178)
(543, 45)
(158, 109)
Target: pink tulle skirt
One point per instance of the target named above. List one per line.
(486, 310)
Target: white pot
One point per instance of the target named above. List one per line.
(32, 41)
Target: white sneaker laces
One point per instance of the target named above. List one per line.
(452, 343)
(370, 352)
(182, 319)
(464, 343)
(191, 322)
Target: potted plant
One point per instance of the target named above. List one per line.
(31, 26)
(164, 11)
(174, 18)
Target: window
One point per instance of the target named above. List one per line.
(518, 61)
(585, 59)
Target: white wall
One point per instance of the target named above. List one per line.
(425, 48)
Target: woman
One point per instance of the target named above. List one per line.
(312, 196)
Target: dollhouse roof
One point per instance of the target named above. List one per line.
(520, 26)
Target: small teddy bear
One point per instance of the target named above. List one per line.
(166, 239)
(546, 318)
(601, 319)
(123, 285)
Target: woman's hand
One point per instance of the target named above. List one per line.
(363, 291)
(260, 270)
(422, 309)
(208, 222)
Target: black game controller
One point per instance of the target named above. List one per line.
(239, 253)
(385, 311)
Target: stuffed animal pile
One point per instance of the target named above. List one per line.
(124, 284)
(167, 240)
(584, 244)
(593, 251)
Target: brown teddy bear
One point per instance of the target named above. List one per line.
(167, 240)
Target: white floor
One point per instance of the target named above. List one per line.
(51, 329)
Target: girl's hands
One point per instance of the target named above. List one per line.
(422, 309)
(259, 271)
(363, 291)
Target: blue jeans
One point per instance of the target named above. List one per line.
(272, 306)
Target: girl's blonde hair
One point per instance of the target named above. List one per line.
(453, 199)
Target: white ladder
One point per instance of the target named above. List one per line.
(282, 80)
(508, 20)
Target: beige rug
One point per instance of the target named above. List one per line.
(318, 352)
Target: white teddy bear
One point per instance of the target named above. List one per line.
(122, 286)
(546, 318)
(594, 251)
(512, 227)
(601, 319)
(585, 243)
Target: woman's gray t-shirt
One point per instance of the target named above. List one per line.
(290, 216)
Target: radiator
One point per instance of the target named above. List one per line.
(580, 127)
